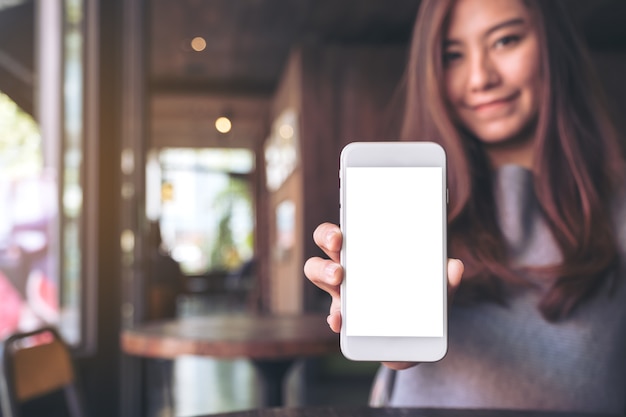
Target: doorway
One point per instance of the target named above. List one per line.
(203, 200)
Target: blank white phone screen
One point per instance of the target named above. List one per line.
(394, 251)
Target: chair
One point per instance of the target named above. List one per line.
(37, 376)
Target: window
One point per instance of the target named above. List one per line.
(203, 200)
(43, 148)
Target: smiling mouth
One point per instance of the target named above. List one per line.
(493, 104)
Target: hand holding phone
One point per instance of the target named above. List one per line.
(393, 220)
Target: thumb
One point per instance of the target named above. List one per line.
(455, 273)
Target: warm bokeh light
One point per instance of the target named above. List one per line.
(127, 241)
(223, 124)
(286, 131)
(198, 44)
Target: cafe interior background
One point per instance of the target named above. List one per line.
(112, 119)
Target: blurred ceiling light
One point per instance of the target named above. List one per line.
(223, 124)
(198, 44)
(127, 241)
(285, 131)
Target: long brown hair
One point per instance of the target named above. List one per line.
(577, 168)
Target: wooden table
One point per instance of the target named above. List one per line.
(398, 412)
(271, 342)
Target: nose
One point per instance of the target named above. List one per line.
(483, 73)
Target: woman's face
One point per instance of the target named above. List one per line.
(492, 71)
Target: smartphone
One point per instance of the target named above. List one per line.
(393, 199)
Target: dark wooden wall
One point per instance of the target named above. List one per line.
(348, 96)
(343, 94)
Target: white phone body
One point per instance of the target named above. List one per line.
(393, 198)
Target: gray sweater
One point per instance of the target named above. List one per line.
(510, 357)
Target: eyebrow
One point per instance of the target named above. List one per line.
(512, 22)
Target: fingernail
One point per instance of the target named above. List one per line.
(458, 262)
(329, 238)
(330, 270)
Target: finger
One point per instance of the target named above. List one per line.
(325, 274)
(328, 237)
(455, 272)
(334, 318)
(398, 366)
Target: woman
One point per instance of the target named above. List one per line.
(535, 214)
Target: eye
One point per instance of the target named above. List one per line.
(507, 41)
(449, 57)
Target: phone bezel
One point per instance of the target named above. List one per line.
(394, 154)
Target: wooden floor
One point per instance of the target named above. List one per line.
(205, 386)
